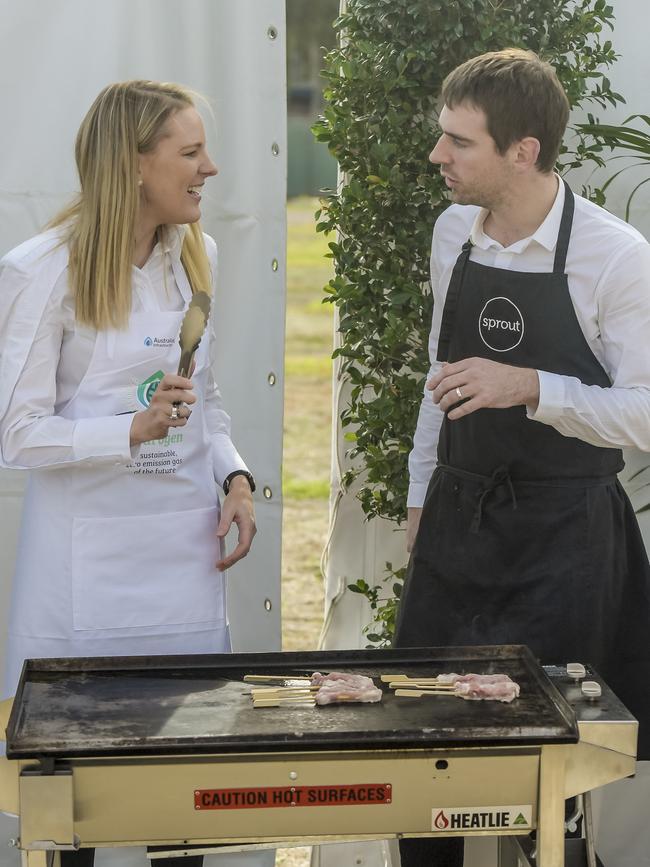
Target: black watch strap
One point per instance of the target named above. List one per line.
(231, 476)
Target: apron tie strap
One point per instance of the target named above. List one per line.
(500, 476)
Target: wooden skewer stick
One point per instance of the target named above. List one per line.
(406, 678)
(308, 701)
(282, 692)
(418, 693)
(421, 684)
(272, 678)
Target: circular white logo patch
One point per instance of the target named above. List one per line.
(501, 324)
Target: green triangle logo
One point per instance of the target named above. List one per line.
(147, 389)
(520, 820)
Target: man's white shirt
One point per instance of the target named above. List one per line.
(608, 269)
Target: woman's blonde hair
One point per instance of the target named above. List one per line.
(126, 120)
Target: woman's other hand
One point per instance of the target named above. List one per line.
(237, 508)
(154, 422)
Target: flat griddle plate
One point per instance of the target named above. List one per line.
(165, 705)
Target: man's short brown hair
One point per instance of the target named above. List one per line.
(520, 95)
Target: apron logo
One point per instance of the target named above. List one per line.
(146, 390)
(501, 325)
(158, 341)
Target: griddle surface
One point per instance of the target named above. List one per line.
(199, 704)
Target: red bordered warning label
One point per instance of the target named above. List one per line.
(368, 794)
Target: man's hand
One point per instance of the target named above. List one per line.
(482, 383)
(412, 525)
(238, 508)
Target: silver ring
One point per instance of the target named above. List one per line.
(459, 392)
(174, 413)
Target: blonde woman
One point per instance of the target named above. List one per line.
(120, 549)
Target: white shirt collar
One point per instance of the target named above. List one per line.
(545, 235)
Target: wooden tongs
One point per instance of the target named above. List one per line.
(192, 329)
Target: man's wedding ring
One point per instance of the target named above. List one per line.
(174, 413)
(459, 392)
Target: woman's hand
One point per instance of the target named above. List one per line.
(154, 422)
(238, 508)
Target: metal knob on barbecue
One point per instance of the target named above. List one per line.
(576, 671)
(591, 690)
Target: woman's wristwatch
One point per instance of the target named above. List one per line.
(231, 476)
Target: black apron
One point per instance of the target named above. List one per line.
(526, 536)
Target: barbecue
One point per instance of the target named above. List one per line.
(168, 751)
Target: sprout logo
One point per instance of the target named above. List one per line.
(148, 341)
(501, 324)
(147, 389)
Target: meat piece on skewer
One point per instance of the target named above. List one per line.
(338, 686)
(333, 692)
(483, 678)
(318, 679)
(478, 689)
(452, 677)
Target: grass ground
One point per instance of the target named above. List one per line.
(307, 427)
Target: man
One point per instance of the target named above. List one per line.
(540, 350)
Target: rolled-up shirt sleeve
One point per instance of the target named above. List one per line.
(618, 416)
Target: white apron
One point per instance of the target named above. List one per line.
(115, 558)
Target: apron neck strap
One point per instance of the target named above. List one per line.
(564, 233)
(451, 302)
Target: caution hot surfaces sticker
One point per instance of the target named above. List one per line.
(448, 819)
(293, 796)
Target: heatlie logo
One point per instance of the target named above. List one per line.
(448, 819)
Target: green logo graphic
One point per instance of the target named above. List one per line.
(147, 389)
(520, 820)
